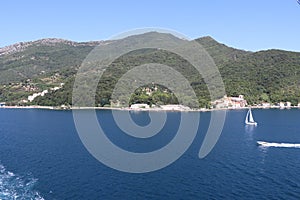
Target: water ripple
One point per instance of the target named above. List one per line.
(13, 187)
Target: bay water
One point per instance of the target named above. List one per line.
(42, 157)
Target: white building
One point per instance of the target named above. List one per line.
(175, 107)
(230, 102)
(265, 105)
(281, 104)
(139, 106)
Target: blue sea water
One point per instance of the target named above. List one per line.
(42, 157)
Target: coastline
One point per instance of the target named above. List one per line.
(145, 109)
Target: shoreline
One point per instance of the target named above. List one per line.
(144, 109)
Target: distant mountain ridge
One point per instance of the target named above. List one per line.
(29, 59)
(18, 47)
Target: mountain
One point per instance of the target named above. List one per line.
(30, 59)
(270, 75)
(220, 52)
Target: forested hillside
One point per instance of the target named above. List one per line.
(263, 76)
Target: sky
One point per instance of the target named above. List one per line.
(250, 25)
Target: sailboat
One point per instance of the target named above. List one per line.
(249, 118)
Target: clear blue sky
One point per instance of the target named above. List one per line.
(251, 25)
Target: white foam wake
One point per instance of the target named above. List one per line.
(274, 144)
(15, 187)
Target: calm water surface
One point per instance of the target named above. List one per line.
(42, 157)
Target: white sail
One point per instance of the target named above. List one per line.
(246, 120)
(249, 118)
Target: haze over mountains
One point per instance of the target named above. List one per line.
(270, 75)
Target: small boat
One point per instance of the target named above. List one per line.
(262, 143)
(274, 144)
(249, 118)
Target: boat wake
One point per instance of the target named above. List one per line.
(283, 145)
(16, 187)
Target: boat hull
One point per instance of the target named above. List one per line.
(251, 123)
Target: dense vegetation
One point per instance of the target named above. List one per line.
(264, 76)
(36, 60)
